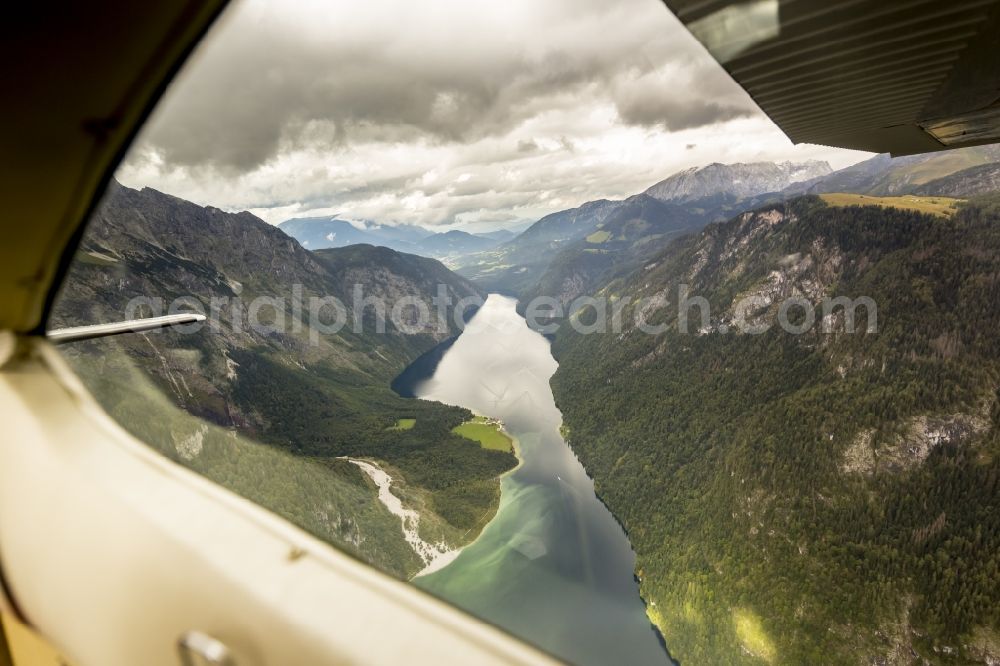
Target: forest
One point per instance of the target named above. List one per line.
(830, 497)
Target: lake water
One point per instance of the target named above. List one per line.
(553, 566)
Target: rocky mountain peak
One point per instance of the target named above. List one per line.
(739, 180)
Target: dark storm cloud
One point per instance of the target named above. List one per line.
(651, 110)
(684, 93)
(527, 146)
(275, 80)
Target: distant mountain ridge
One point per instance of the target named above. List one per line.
(500, 235)
(455, 242)
(545, 256)
(316, 233)
(517, 265)
(630, 231)
(739, 180)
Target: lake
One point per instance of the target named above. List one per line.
(553, 566)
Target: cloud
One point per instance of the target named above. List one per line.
(274, 76)
(682, 94)
(442, 112)
(527, 146)
(672, 114)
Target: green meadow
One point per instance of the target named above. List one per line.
(403, 424)
(486, 432)
(940, 206)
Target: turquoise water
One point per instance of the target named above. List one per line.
(553, 566)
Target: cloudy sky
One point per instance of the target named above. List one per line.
(447, 113)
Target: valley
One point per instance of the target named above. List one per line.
(771, 524)
(552, 566)
(825, 497)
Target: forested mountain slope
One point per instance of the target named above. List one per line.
(965, 183)
(929, 174)
(638, 226)
(518, 264)
(823, 498)
(269, 410)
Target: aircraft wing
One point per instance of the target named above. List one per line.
(887, 76)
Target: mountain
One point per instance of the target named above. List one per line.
(883, 175)
(369, 265)
(535, 241)
(316, 233)
(500, 235)
(738, 181)
(637, 227)
(406, 233)
(451, 243)
(519, 263)
(965, 183)
(270, 410)
(822, 497)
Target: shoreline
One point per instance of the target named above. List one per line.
(515, 443)
(657, 629)
(453, 554)
(437, 558)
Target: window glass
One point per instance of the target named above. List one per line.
(529, 304)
